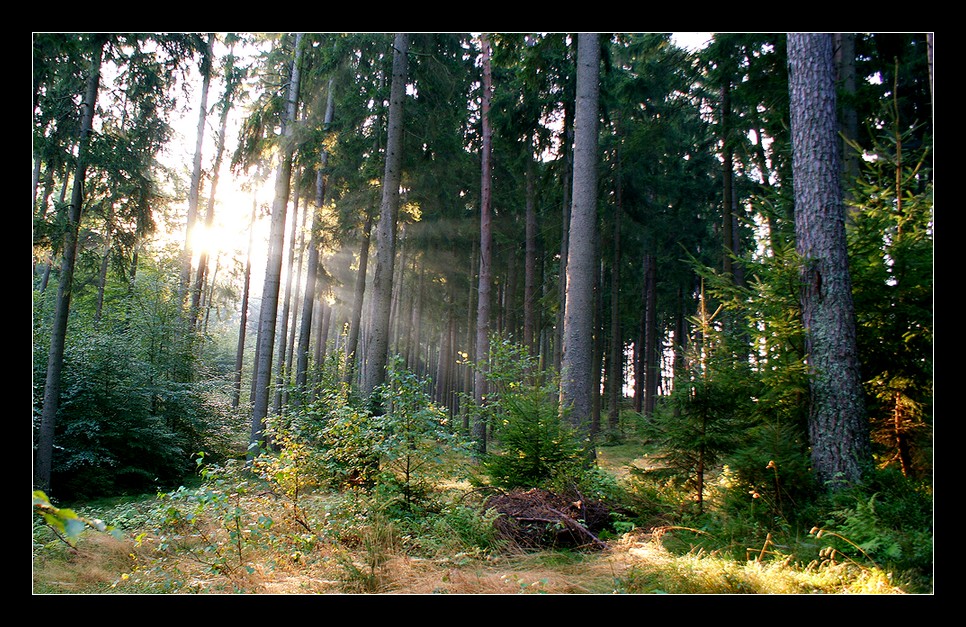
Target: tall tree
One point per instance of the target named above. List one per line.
(273, 270)
(45, 442)
(312, 269)
(577, 380)
(837, 425)
(233, 77)
(486, 251)
(377, 348)
(194, 190)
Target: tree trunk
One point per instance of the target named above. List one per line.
(615, 366)
(378, 341)
(273, 269)
(838, 426)
(105, 260)
(651, 346)
(564, 239)
(312, 264)
(210, 213)
(486, 243)
(576, 376)
(358, 298)
(282, 335)
(292, 295)
(194, 189)
(243, 324)
(43, 457)
(530, 265)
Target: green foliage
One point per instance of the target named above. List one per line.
(888, 521)
(414, 436)
(536, 446)
(706, 418)
(891, 261)
(769, 479)
(66, 524)
(211, 522)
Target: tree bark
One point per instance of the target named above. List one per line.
(530, 265)
(43, 456)
(243, 324)
(651, 345)
(281, 359)
(210, 212)
(615, 366)
(194, 189)
(837, 424)
(576, 378)
(312, 263)
(273, 270)
(374, 373)
(486, 243)
(358, 300)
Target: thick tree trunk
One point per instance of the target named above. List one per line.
(377, 348)
(486, 243)
(43, 456)
(576, 378)
(838, 425)
(273, 270)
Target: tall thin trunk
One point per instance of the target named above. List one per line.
(273, 269)
(358, 299)
(43, 457)
(312, 264)
(378, 341)
(470, 337)
(105, 260)
(296, 294)
(564, 238)
(576, 378)
(194, 189)
(486, 243)
(243, 324)
(652, 356)
(530, 265)
(615, 368)
(202, 272)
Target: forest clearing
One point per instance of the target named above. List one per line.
(482, 313)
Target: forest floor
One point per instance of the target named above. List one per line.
(379, 560)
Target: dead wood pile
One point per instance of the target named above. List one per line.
(538, 519)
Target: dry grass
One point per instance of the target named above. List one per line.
(636, 563)
(378, 558)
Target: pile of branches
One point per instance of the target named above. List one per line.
(538, 519)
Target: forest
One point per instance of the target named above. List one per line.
(482, 313)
